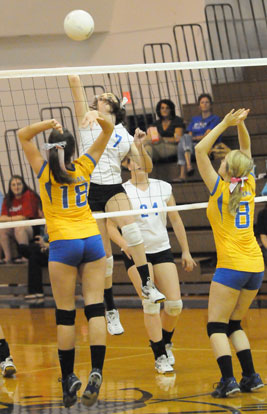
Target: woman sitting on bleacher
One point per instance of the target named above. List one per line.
(199, 126)
(20, 203)
(145, 193)
(164, 134)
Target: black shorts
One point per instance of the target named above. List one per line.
(100, 194)
(165, 256)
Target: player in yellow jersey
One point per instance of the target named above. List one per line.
(75, 244)
(240, 268)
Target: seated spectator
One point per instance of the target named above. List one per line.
(199, 126)
(20, 203)
(1, 200)
(165, 133)
(261, 231)
(37, 255)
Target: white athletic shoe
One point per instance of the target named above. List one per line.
(114, 325)
(150, 292)
(7, 367)
(169, 352)
(162, 365)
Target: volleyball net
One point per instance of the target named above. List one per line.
(28, 96)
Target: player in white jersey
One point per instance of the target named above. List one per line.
(146, 193)
(107, 193)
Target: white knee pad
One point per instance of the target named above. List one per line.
(150, 308)
(173, 307)
(109, 268)
(132, 234)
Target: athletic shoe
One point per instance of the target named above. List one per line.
(114, 325)
(7, 367)
(251, 383)
(162, 365)
(150, 292)
(70, 386)
(91, 392)
(169, 352)
(225, 388)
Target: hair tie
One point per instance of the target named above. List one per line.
(234, 182)
(47, 146)
(61, 154)
(123, 102)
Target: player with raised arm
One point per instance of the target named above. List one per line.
(106, 191)
(74, 246)
(240, 268)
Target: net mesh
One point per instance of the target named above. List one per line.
(33, 95)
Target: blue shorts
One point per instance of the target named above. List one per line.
(238, 280)
(77, 251)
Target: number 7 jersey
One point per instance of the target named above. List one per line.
(236, 245)
(67, 213)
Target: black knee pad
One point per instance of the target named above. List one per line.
(92, 311)
(216, 327)
(233, 326)
(65, 317)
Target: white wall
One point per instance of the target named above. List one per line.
(31, 31)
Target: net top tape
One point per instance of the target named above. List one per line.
(183, 207)
(142, 67)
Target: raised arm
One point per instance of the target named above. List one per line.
(187, 262)
(203, 148)
(98, 147)
(80, 101)
(243, 135)
(138, 152)
(27, 133)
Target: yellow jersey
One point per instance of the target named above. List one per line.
(236, 245)
(66, 209)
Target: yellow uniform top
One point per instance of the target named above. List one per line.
(236, 245)
(67, 213)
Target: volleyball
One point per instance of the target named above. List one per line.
(79, 25)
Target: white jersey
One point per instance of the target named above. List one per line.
(153, 225)
(108, 168)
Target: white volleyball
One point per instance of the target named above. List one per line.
(79, 25)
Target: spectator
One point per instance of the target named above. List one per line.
(165, 133)
(37, 253)
(1, 200)
(261, 231)
(198, 128)
(20, 203)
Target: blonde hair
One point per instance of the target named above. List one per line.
(239, 165)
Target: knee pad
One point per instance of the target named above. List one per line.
(216, 327)
(132, 234)
(94, 310)
(109, 269)
(150, 308)
(173, 307)
(65, 317)
(233, 326)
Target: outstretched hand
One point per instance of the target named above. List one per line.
(139, 137)
(56, 125)
(235, 117)
(90, 118)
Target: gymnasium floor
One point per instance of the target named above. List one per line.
(131, 385)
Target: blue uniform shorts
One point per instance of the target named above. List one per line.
(77, 251)
(238, 280)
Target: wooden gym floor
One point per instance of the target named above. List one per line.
(131, 385)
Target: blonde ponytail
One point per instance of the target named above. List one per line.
(238, 165)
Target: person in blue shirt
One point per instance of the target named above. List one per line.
(1, 200)
(198, 128)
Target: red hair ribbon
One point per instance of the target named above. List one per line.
(235, 180)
